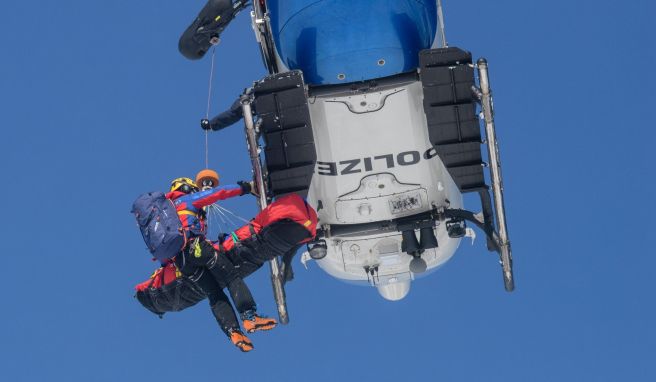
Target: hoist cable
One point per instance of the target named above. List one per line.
(209, 100)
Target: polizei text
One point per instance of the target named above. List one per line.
(376, 163)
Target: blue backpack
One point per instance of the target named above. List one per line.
(159, 224)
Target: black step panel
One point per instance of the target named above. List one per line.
(459, 154)
(470, 178)
(279, 82)
(453, 123)
(290, 180)
(285, 118)
(447, 85)
(289, 151)
(288, 148)
(453, 126)
(430, 58)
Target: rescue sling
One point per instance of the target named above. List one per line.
(289, 207)
(167, 290)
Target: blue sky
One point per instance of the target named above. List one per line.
(97, 106)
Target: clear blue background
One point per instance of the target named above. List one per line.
(97, 106)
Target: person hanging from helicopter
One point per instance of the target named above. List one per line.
(196, 258)
(206, 29)
(214, 272)
(286, 224)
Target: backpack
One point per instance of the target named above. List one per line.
(159, 224)
(167, 290)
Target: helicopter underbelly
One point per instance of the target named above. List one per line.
(375, 163)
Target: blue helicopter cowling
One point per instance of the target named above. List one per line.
(340, 41)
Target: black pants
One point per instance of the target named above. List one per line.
(281, 238)
(213, 273)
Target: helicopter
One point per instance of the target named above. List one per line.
(370, 115)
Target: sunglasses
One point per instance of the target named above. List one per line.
(187, 189)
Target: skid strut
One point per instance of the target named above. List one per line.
(254, 152)
(495, 173)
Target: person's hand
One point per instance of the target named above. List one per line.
(248, 188)
(205, 124)
(245, 187)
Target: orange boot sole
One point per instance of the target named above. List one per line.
(241, 341)
(259, 323)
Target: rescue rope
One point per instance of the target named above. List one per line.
(214, 225)
(227, 223)
(232, 213)
(209, 100)
(213, 218)
(230, 222)
(225, 219)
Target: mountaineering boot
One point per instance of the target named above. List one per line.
(208, 26)
(240, 340)
(253, 322)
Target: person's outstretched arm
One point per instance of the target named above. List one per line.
(213, 195)
(225, 119)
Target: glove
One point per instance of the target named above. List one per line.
(205, 124)
(245, 187)
(248, 187)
